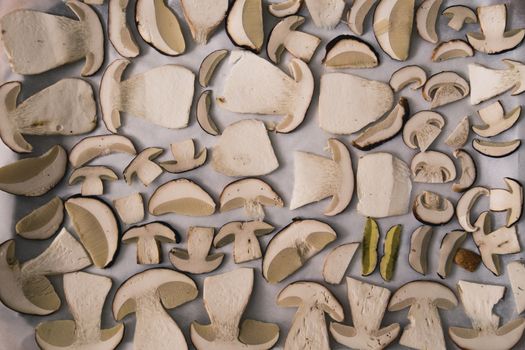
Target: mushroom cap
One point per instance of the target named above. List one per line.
(98, 171)
(451, 49)
(509, 200)
(348, 51)
(278, 36)
(42, 222)
(209, 64)
(432, 167)
(159, 231)
(143, 166)
(468, 171)
(465, 205)
(240, 192)
(426, 18)
(92, 147)
(495, 120)
(462, 11)
(496, 149)
(228, 231)
(408, 75)
(414, 292)
(422, 129)
(432, 209)
(444, 88)
(182, 197)
(285, 8)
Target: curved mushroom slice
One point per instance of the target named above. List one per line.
(422, 129)
(459, 136)
(36, 42)
(370, 243)
(64, 108)
(448, 50)
(93, 147)
(459, 15)
(130, 209)
(35, 176)
(357, 14)
(317, 178)
(390, 252)
(419, 245)
(119, 32)
(496, 149)
(336, 262)
(204, 117)
(516, 272)
(162, 95)
(148, 239)
(209, 65)
(308, 329)
(326, 14)
(348, 51)
(284, 36)
(144, 167)
(432, 209)
(465, 205)
(432, 167)
(244, 237)
(186, 157)
(25, 287)
(468, 171)
(256, 86)
(204, 17)
(509, 200)
(426, 20)
(291, 247)
(182, 197)
(196, 259)
(445, 88)
(42, 222)
(91, 178)
(414, 76)
(495, 121)
(424, 298)
(148, 294)
(450, 245)
(467, 259)
(245, 25)
(225, 313)
(85, 304)
(478, 300)
(285, 8)
(368, 304)
(501, 80)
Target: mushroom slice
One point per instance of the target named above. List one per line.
(36, 42)
(245, 25)
(93, 147)
(414, 76)
(465, 205)
(204, 17)
(422, 129)
(390, 252)
(284, 36)
(496, 149)
(144, 166)
(424, 298)
(426, 20)
(182, 197)
(244, 237)
(209, 65)
(385, 129)
(393, 20)
(308, 329)
(368, 304)
(467, 259)
(459, 15)
(516, 271)
(42, 222)
(433, 167)
(432, 209)
(348, 51)
(64, 108)
(357, 14)
(225, 313)
(419, 245)
(148, 239)
(493, 37)
(336, 262)
(196, 259)
(495, 121)
(291, 248)
(468, 171)
(317, 178)
(501, 80)
(162, 95)
(509, 200)
(130, 209)
(448, 50)
(326, 14)
(450, 245)
(459, 136)
(204, 117)
(370, 242)
(478, 300)
(186, 157)
(85, 304)
(25, 287)
(35, 176)
(148, 294)
(256, 86)
(445, 88)
(119, 32)
(92, 178)
(285, 8)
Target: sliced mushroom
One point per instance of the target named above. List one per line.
(93, 147)
(467, 259)
(466, 204)
(285, 8)
(91, 178)
(357, 15)
(182, 197)
(42, 222)
(432, 209)
(390, 252)
(496, 149)
(186, 157)
(144, 167)
(445, 88)
(495, 121)
(448, 50)
(459, 15)
(148, 239)
(348, 51)
(36, 42)
(501, 80)
(432, 167)
(459, 136)
(516, 272)
(509, 200)
(130, 209)
(204, 17)
(336, 262)
(119, 32)
(245, 25)
(284, 36)
(450, 245)
(468, 171)
(426, 20)
(326, 14)
(85, 305)
(209, 65)
(414, 76)
(293, 246)
(196, 259)
(422, 129)
(204, 117)
(419, 245)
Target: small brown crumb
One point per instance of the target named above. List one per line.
(467, 259)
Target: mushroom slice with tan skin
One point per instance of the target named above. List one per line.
(25, 287)
(119, 32)
(92, 178)
(148, 294)
(496, 149)
(468, 171)
(450, 245)
(85, 304)
(466, 204)
(209, 64)
(495, 121)
(348, 51)
(245, 25)
(516, 272)
(35, 176)
(244, 237)
(204, 17)
(203, 114)
(285, 8)
(432, 167)
(478, 300)
(414, 76)
(509, 200)
(424, 298)
(182, 197)
(36, 42)
(130, 209)
(42, 222)
(148, 239)
(144, 167)
(357, 14)
(445, 88)
(422, 129)
(501, 80)
(426, 20)
(432, 209)
(291, 247)
(336, 262)
(317, 178)
(459, 15)
(93, 147)
(225, 298)
(186, 157)
(419, 245)
(368, 304)
(448, 50)
(196, 259)
(459, 136)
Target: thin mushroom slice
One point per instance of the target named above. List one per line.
(419, 246)
(509, 200)
(144, 167)
(209, 64)
(348, 51)
(85, 305)
(91, 178)
(36, 42)
(465, 205)
(326, 14)
(204, 117)
(450, 245)
(119, 32)
(496, 149)
(413, 76)
(93, 147)
(204, 17)
(445, 88)
(459, 15)
(501, 80)
(422, 129)
(336, 262)
(42, 222)
(357, 15)
(244, 235)
(516, 272)
(148, 239)
(285, 8)
(495, 121)
(432, 209)
(130, 209)
(186, 157)
(459, 136)
(433, 167)
(426, 20)
(468, 171)
(448, 50)
(245, 25)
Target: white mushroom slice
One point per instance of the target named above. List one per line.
(85, 305)
(91, 178)
(285, 8)
(256, 86)
(357, 14)
(42, 222)
(209, 65)
(419, 245)
(196, 259)
(432, 167)
(516, 271)
(501, 80)
(119, 32)
(368, 304)
(293, 246)
(244, 237)
(459, 136)
(432, 209)
(426, 20)
(348, 51)
(148, 294)
(422, 129)
(204, 117)
(414, 76)
(130, 209)
(204, 17)
(284, 36)
(35, 176)
(468, 171)
(444, 88)
(347, 102)
(161, 96)
(312, 300)
(225, 298)
(448, 50)
(148, 239)
(93, 147)
(493, 37)
(393, 20)
(64, 108)
(509, 200)
(424, 298)
(459, 15)
(336, 262)
(495, 121)
(478, 300)
(36, 42)
(450, 245)
(144, 166)
(496, 149)
(25, 287)
(317, 178)
(326, 14)
(466, 204)
(186, 157)
(182, 197)
(245, 25)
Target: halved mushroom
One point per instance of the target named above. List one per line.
(148, 238)
(42, 222)
(501, 80)
(432, 209)
(326, 14)
(348, 51)
(284, 36)
(419, 244)
(285, 8)
(91, 178)
(448, 50)
(245, 25)
(414, 76)
(64, 108)
(336, 262)
(516, 272)
(204, 17)
(130, 209)
(459, 15)
(204, 117)
(496, 149)
(422, 129)
(450, 244)
(209, 65)
(466, 204)
(459, 136)
(25, 287)
(357, 15)
(144, 167)
(182, 197)
(468, 171)
(36, 42)
(426, 20)
(432, 167)
(35, 176)
(467, 259)
(291, 247)
(119, 32)
(85, 305)
(445, 88)
(495, 121)
(509, 200)
(93, 147)
(196, 259)
(186, 157)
